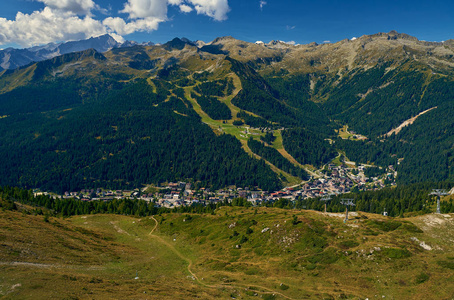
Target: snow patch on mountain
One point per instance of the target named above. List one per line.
(11, 58)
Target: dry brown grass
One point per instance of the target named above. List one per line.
(97, 256)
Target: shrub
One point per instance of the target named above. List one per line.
(396, 253)
(283, 287)
(252, 271)
(368, 231)
(411, 228)
(295, 220)
(446, 264)
(312, 241)
(423, 277)
(244, 239)
(348, 244)
(328, 256)
(385, 225)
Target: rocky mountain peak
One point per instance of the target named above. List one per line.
(14, 58)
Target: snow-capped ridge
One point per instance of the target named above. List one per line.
(12, 58)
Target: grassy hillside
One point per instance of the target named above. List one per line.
(263, 253)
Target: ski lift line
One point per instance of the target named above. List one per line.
(347, 202)
(326, 198)
(438, 193)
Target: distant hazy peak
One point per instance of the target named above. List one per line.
(13, 58)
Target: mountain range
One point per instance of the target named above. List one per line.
(123, 116)
(12, 58)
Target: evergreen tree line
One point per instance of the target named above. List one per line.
(274, 157)
(202, 76)
(268, 138)
(120, 135)
(295, 91)
(342, 93)
(395, 201)
(367, 152)
(307, 147)
(45, 204)
(374, 171)
(218, 88)
(71, 207)
(375, 101)
(253, 121)
(259, 97)
(173, 72)
(131, 137)
(420, 152)
(213, 107)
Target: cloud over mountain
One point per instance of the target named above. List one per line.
(48, 25)
(64, 20)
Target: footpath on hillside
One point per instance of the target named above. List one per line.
(264, 290)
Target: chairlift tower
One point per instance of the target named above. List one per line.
(325, 199)
(438, 193)
(347, 202)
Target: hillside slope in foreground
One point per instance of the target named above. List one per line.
(242, 253)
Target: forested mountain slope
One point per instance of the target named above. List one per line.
(148, 114)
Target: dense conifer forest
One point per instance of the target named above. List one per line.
(121, 119)
(132, 136)
(274, 157)
(213, 107)
(307, 148)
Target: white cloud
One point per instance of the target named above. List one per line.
(47, 26)
(185, 8)
(290, 27)
(119, 26)
(141, 9)
(216, 9)
(147, 14)
(80, 7)
(65, 20)
(262, 4)
(175, 2)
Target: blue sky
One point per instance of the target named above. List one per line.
(24, 23)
